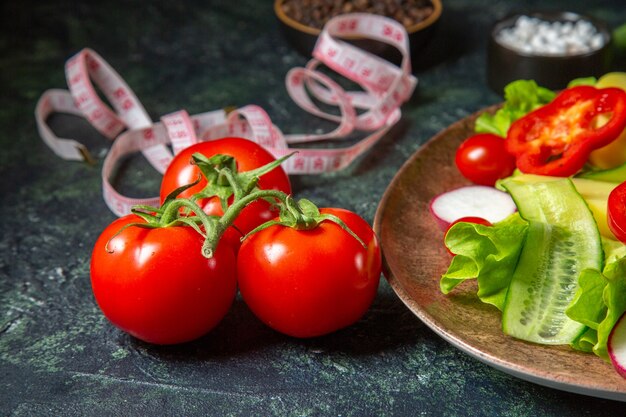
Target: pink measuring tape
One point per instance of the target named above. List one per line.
(385, 88)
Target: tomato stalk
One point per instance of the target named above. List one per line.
(222, 171)
(168, 215)
(301, 215)
(224, 182)
(232, 211)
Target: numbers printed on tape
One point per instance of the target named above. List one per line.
(385, 88)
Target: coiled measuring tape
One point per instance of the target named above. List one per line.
(385, 87)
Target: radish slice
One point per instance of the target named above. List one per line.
(617, 346)
(472, 201)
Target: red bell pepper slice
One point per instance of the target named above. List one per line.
(556, 139)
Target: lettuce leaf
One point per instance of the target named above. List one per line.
(488, 254)
(582, 81)
(586, 341)
(601, 300)
(521, 97)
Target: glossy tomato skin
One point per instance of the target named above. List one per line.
(616, 212)
(483, 159)
(249, 156)
(155, 284)
(471, 219)
(310, 283)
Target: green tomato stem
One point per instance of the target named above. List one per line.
(221, 174)
(234, 209)
(238, 190)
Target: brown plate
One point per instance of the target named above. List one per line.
(415, 259)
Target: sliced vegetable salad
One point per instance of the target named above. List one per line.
(556, 268)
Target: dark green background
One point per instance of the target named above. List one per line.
(60, 357)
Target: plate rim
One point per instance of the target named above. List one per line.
(490, 360)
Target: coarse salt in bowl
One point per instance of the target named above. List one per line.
(533, 35)
(551, 48)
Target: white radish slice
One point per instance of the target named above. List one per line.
(472, 201)
(617, 346)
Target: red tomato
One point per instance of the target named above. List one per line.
(483, 159)
(249, 156)
(469, 219)
(307, 283)
(156, 285)
(616, 212)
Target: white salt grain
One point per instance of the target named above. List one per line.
(539, 37)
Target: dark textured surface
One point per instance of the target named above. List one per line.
(59, 356)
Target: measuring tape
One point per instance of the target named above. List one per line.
(385, 87)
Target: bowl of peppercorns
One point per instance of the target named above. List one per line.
(303, 20)
(551, 48)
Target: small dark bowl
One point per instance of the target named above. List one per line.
(303, 37)
(505, 64)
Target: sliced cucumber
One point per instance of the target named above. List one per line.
(562, 240)
(594, 189)
(617, 174)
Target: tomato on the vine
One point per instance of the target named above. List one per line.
(156, 285)
(483, 159)
(307, 283)
(248, 155)
(616, 212)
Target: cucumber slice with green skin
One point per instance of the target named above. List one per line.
(561, 241)
(617, 174)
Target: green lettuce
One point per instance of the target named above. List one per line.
(582, 81)
(487, 254)
(586, 341)
(600, 300)
(521, 97)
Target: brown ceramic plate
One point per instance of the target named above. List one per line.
(415, 258)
